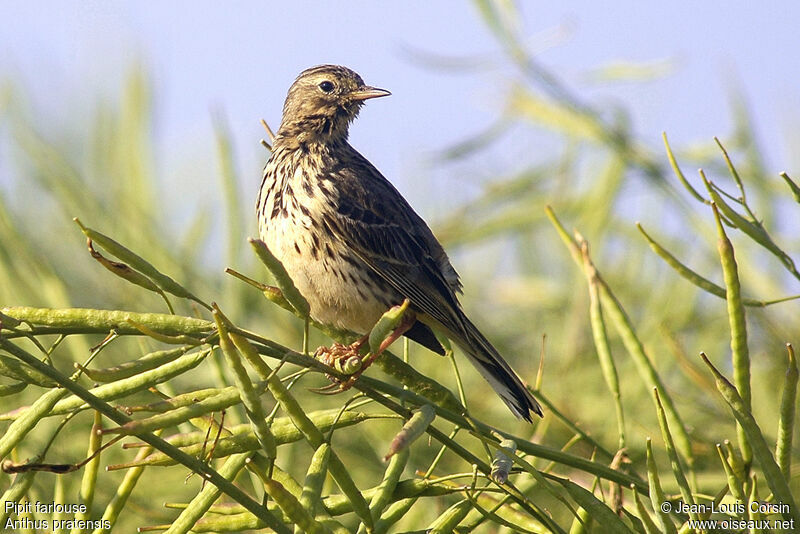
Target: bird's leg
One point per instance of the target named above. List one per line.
(402, 328)
(357, 344)
(407, 322)
(343, 356)
(339, 352)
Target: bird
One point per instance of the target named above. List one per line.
(350, 242)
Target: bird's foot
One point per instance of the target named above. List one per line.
(346, 359)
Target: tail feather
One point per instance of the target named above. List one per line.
(497, 372)
(422, 334)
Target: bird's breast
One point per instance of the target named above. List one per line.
(295, 222)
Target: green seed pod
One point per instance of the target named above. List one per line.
(10, 389)
(139, 382)
(772, 473)
(89, 479)
(501, 465)
(350, 366)
(292, 508)
(647, 521)
(783, 448)
(17, 370)
(734, 484)
(243, 439)
(248, 393)
(25, 423)
(383, 496)
(412, 430)
(386, 324)
(290, 292)
(315, 478)
(753, 512)
(130, 368)
(139, 264)
(451, 517)
(90, 321)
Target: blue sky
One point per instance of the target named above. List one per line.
(240, 57)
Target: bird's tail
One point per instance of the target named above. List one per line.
(497, 372)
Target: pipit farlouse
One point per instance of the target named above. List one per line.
(351, 243)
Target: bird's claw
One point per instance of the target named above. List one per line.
(344, 358)
(331, 389)
(337, 385)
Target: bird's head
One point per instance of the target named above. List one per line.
(322, 102)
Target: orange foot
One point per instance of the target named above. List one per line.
(348, 360)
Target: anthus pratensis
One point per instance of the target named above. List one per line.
(351, 243)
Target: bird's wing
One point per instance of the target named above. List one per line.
(376, 222)
(379, 226)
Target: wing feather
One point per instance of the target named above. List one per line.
(382, 229)
(376, 223)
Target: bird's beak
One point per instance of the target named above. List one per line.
(367, 92)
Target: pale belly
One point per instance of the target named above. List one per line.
(341, 293)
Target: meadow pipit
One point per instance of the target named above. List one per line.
(351, 243)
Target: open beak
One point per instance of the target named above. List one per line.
(367, 92)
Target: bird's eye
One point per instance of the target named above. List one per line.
(326, 86)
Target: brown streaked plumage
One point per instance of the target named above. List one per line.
(350, 242)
